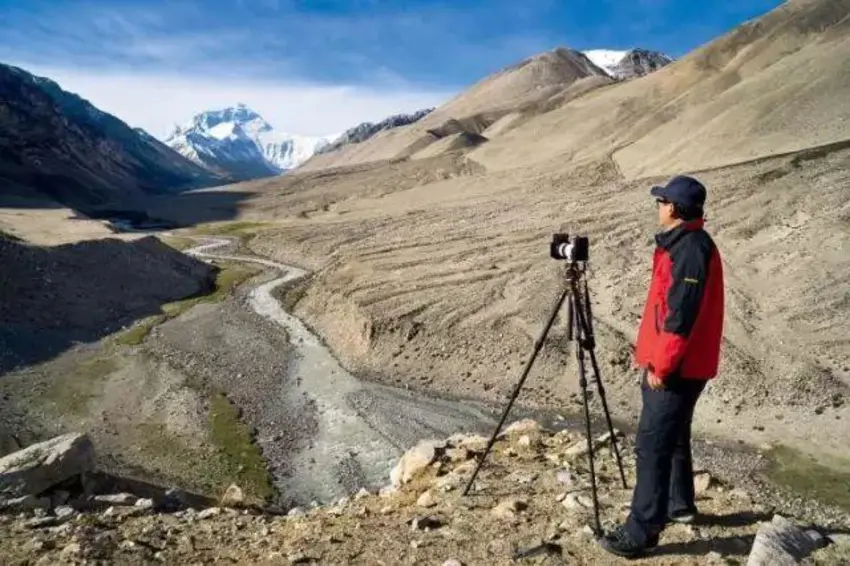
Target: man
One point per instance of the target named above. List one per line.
(679, 348)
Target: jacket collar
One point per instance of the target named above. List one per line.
(667, 238)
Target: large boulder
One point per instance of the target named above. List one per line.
(781, 542)
(41, 466)
(415, 461)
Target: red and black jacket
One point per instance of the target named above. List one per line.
(683, 318)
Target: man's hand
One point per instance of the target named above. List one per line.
(655, 383)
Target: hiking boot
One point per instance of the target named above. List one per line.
(684, 517)
(621, 543)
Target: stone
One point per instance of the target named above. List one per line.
(702, 482)
(474, 442)
(524, 441)
(40, 522)
(425, 523)
(578, 449)
(415, 460)
(458, 454)
(606, 438)
(780, 542)
(452, 562)
(296, 512)
(362, 494)
(64, 512)
(25, 503)
(209, 512)
(509, 508)
(71, 550)
(577, 501)
(839, 539)
(565, 477)
(522, 427)
(39, 467)
(233, 496)
(426, 500)
(144, 503)
(117, 499)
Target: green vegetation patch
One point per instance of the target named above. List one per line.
(228, 278)
(179, 243)
(826, 478)
(242, 460)
(243, 230)
(72, 391)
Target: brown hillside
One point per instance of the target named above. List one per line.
(527, 83)
(773, 85)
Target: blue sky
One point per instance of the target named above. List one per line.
(364, 57)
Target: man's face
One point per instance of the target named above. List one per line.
(665, 213)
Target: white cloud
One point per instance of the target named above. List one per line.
(158, 102)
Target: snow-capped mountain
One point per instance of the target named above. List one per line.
(628, 64)
(239, 142)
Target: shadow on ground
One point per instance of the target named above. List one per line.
(52, 298)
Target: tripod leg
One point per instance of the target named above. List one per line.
(588, 432)
(537, 346)
(598, 377)
(601, 391)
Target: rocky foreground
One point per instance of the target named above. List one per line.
(531, 503)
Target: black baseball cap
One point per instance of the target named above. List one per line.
(683, 190)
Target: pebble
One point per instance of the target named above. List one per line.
(426, 500)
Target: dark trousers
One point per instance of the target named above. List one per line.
(665, 475)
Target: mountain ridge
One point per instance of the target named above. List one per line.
(55, 144)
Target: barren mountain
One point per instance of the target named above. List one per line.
(512, 89)
(773, 85)
(54, 144)
(434, 271)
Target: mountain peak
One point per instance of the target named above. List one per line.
(628, 64)
(240, 142)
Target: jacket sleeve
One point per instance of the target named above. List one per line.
(687, 284)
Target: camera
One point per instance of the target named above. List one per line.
(562, 248)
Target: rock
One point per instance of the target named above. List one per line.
(8, 443)
(606, 438)
(40, 522)
(578, 449)
(233, 496)
(296, 512)
(565, 477)
(117, 499)
(524, 441)
(702, 482)
(414, 461)
(577, 501)
(71, 550)
(41, 466)
(458, 454)
(26, 503)
(64, 512)
(424, 523)
(780, 542)
(509, 508)
(714, 558)
(474, 443)
(839, 539)
(299, 558)
(426, 500)
(363, 493)
(144, 503)
(522, 427)
(452, 562)
(209, 512)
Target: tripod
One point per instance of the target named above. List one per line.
(581, 329)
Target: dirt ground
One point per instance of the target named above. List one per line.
(444, 285)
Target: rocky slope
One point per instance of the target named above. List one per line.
(366, 130)
(55, 145)
(531, 501)
(562, 73)
(239, 143)
(628, 64)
